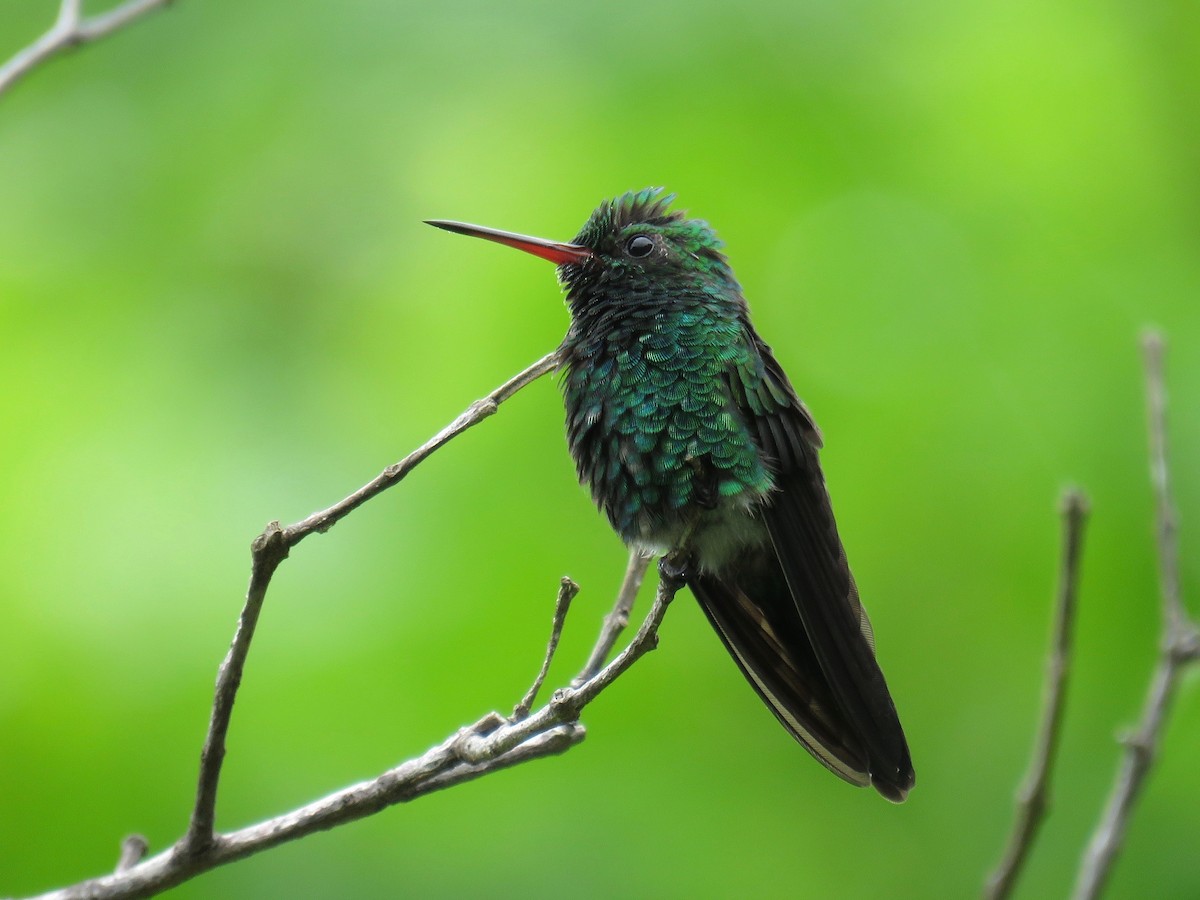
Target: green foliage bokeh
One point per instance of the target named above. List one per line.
(218, 306)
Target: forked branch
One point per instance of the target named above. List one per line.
(1179, 647)
(491, 744)
(272, 547)
(70, 29)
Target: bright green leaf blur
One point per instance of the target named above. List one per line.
(218, 307)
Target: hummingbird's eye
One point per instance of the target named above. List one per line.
(638, 246)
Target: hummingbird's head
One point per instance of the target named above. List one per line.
(632, 248)
(639, 246)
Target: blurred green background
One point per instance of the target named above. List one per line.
(218, 307)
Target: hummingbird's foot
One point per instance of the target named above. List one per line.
(675, 568)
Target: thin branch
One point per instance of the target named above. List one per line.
(133, 848)
(70, 29)
(1165, 520)
(568, 702)
(1180, 647)
(106, 23)
(474, 414)
(1033, 799)
(270, 549)
(567, 590)
(615, 621)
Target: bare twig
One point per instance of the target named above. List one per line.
(567, 590)
(1032, 801)
(474, 414)
(1180, 648)
(493, 743)
(1165, 520)
(568, 702)
(71, 29)
(270, 549)
(133, 848)
(615, 621)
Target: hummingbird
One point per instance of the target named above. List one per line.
(696, 447)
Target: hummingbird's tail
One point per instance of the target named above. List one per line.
(810, 656)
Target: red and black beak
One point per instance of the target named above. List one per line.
(558, 253)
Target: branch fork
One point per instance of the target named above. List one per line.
(490, 744)
(71, 29)
(1179, 648)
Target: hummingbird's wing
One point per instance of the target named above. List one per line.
(819, 616)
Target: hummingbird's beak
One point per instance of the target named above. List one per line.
(559, 254)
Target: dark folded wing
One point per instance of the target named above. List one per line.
(799, 518)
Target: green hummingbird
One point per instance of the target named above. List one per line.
(694, 444)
